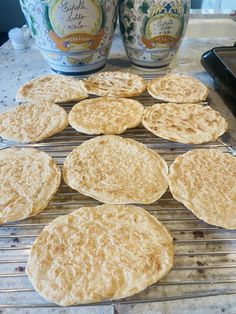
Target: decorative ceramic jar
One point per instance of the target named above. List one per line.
(74, 36)
(152, 30)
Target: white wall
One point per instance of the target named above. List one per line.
(228, 4)
(219, 4)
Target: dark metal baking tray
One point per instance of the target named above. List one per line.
(220, 63)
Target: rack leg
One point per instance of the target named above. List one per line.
(113, 309)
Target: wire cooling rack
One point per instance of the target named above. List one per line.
(205, 256)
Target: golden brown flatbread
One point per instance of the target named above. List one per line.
(204, 180)
(184, 123)
(99, 253)
(52, 88)
(105, 115)
(177, 88)
(32, 122)
(28, 180)
(115, 170)
(115, 84)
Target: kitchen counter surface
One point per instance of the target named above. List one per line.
(17, 67)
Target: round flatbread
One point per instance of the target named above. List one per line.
(33, 122)
(184, 123)
(28, 180)
(99, 253)
(115, 84)
(105, 115)
(204, 180)
(177, 88)
(114, 170)
(52, 88)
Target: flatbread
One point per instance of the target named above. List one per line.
(114, 170)
(177, 88)
(99, 253)
(184, 123)
(105, 115)
(28, 180)
(115, 84)
(52, 88)
(204, 180)
(32, 122)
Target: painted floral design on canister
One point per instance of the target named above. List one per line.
(152, 30)
(74, 36)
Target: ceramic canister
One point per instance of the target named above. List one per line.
(74, 36)
(152, 30)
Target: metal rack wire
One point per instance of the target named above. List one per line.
(205, 256)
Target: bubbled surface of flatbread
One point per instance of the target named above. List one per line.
(32, 122)
(115, 84)
(52, 88)
(184, 123)
(114, 170)
(28, 180)
(99, 253)
(105, 115)
(204, 180)
(177, 88)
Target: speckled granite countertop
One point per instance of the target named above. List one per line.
(16, 67)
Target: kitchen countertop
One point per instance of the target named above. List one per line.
(17, 67)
